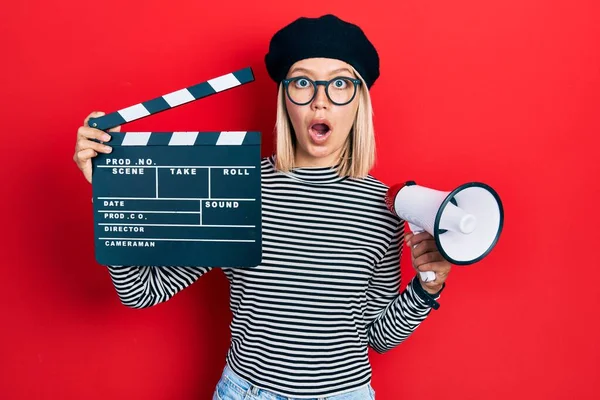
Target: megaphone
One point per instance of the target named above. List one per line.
(465, 223)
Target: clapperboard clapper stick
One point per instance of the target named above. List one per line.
(178, 198)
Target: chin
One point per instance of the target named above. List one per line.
(317, 154)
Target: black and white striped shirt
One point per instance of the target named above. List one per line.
(327, 287)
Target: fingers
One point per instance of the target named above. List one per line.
(441, 270)
(413, 240)
(427, 258)
(91, 133)
(83, 143)
(423, 247)
(433, 286)
(83, 156)
(439, 267)
(89, 143)
(85, 148)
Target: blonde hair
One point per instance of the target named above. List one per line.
(358, 154)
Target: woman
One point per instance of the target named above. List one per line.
(328, 285)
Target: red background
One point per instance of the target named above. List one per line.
(505, 92)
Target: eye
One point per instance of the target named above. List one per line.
(302, 83)
(340, 84)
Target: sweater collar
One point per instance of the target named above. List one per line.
(314, 175)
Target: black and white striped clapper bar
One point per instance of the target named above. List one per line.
(178, 198)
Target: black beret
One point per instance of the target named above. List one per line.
(327, 36)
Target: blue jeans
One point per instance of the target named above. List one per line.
(233, 387)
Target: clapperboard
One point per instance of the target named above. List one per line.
(178, 198)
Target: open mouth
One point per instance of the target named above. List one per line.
(320, 131)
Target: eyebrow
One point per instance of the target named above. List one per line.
(300, 69)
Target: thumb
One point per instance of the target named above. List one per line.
(94, 114)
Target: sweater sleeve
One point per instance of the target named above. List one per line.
(392, 316)
(142, 286)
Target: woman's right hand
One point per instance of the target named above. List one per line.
(85, 148)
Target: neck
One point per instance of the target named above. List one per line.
(305, 160)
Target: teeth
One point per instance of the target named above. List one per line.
(320, 130)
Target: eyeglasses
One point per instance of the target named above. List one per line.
(339, 90)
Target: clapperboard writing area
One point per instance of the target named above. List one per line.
(178, 198)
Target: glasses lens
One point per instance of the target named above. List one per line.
(301, 90)
(341, 90)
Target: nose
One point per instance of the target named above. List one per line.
(320, 101)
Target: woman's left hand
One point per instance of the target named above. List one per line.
(426, 257)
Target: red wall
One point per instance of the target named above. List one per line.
(505, 92)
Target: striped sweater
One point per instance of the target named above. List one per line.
(326, 290)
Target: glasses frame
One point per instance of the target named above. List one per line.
(286, 83)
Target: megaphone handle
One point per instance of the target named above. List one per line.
(426, 276)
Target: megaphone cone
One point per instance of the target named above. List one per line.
(465, 223)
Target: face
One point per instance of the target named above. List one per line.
(321, 127)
